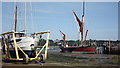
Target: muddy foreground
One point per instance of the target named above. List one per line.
(70, 60)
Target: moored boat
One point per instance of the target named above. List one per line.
(83, 47)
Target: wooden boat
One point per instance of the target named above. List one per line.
(83, 47)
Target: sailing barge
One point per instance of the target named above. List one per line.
(83, 47)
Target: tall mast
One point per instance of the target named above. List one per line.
(25, 16)
(15, 19)
(82, 33)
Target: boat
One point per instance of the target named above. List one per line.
(18, 45)
(27, 43)
(83, 47)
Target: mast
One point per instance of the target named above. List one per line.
(83, 7)
(82, 33)
(81, 23)
(15, 19)
(25, 16)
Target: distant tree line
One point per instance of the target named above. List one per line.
(76, 42)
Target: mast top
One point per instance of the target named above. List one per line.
(15, 19)
(83, 8)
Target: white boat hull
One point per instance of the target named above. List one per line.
(26, 43)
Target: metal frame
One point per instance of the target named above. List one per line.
(16, 47)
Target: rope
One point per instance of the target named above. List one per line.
(31, 16)
(25, 16)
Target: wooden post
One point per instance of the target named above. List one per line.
(15, 45)
(109, 46)
(5, 44)
(47, 42)
(6, 48)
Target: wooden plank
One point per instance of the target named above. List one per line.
(10, 32)
(41, 32)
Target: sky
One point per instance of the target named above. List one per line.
(101, 18)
